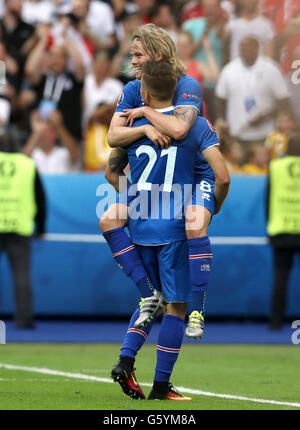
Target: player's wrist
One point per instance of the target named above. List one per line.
(146, 128)
(145, 110)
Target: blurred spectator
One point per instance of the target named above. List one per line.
(43, 148)
(5, 110)
(22, 203)
(100, 95)
(9, 90)
(250, 91)
(96, 22)
(233, 154)
(283, 224)
(269, 8)
(162, 16)
(56, 87)
(16, 35)
(35, 12)
(121, 65)
(185, 50)
(287, 28)
(192, 9)
(229, 7)
(258, 159)
(210, 27)
(249, 23)
(128, 21)
(276, 142)
(100, 89)
(144, 8)
(2, 8)
(292, 80)
(69, 25)
(197, 69)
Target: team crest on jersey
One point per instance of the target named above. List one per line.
(210, 126)
(121, 98)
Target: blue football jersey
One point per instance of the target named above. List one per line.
(202, 169)
(187, 92)
(163, 181)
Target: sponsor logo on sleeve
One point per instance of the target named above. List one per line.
(190, 96)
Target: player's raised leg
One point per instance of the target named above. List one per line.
(112, 224)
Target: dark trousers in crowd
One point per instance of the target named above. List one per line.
(283, 259)
(17, 249)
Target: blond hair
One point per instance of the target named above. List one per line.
(157, 43)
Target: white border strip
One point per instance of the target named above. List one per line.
(215, 240)
(46, 371)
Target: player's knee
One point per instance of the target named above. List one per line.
(197, 221)
(176, 309)
(194, 233)
(114, 217)
(102, 224)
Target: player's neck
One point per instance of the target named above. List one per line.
(156, 104)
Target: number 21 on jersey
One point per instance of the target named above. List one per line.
(171, 152)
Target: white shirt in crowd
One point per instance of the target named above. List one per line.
(100, 20)
(261, 28)
(108, 92)
(38, 12)
(250, 92)
(57, 162)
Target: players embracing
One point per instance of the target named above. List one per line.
(195, 159)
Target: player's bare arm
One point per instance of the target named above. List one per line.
(116, 164)
(186, 114)
(120, 135)
(216, 161)
(176, 126)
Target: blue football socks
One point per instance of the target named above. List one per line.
(168, 346)
(135, 338)
(200, 266)
(129, 260)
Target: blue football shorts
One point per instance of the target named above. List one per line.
(203, 195)
(169, 269)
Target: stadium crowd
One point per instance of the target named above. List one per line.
(65, 63)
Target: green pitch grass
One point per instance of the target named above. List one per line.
(264, 372)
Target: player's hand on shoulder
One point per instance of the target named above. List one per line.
(132, 114)
(160, 140)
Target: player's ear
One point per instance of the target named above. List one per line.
(147, 97)
(158, 57)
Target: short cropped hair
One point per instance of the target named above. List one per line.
(159, 78)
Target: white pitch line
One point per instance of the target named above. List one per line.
(146, 384)
(94, 238)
